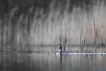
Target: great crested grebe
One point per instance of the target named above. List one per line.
(60, 47)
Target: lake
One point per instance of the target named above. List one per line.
(52, 62)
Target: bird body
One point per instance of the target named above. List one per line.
(60, 47)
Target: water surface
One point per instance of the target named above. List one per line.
(51, 62)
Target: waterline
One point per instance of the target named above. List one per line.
(82, 53)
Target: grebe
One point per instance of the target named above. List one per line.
(60, 47)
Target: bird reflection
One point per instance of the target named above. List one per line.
(60, 62)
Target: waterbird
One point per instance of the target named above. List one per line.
(60, 47)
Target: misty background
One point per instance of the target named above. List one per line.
(50, 22)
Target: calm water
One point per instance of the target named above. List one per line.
(51, 62)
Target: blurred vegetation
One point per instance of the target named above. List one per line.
(19, 17)
(24, 5)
